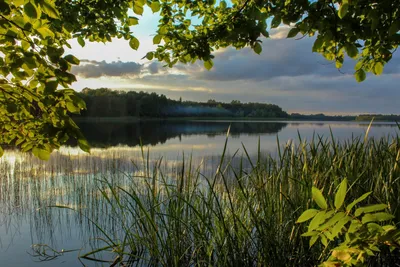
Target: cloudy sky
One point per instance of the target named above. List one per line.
(287, 73)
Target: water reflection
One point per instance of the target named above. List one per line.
(158, 132)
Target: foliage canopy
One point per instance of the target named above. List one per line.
(35, 74)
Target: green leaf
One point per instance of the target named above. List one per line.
(341, 255)
(341, 194)
(41, 153)
(264, 33)
(336, 230)
(132, 21)
(377, 217)
(72, 59)
(50, 10)
(1, 152)
(45, 32)
(343, 10)
(134, 43)
(359, 65)
(369, 209)
(360, 75)
(50, 87)
(208, 64)
(18, 2)
(293, 32)
(354, 226)
(81, 41)
(324, 241)
(73, 124)
(150, 55)
(222, 4)
(12, 107)
(319, 198)
(307, 215)
(138, 9)
(155, 6)
(163, 30)
(84, 145)
(25, 45)
(317, 220)
(312, 233)
(72, 108)
(351, 50)
(358, 200)
(257, 48)
(31, 11)
(378, 68)
(313, 240)
(318, 44)
(332, 221)
(374, 228)
(78, 102)
(157, 39)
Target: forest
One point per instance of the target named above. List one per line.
(105, 102)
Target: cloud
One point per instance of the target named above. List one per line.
(96, 69)
(286, 73)
(280, 57)
(279, 33)
(154, 67)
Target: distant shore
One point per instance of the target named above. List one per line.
(137, 119)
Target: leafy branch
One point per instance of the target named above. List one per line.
(356, 235)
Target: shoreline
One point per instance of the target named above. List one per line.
(144, 119)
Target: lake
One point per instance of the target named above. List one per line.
(70, 178)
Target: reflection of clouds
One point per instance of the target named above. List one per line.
(70, 151)
(120, 151)
(10, 158)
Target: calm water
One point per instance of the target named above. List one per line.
(28, 186)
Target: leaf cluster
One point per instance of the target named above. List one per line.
(351, 232)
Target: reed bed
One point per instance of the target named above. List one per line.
(245, 213)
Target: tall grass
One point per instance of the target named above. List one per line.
(243, 214)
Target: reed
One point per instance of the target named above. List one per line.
(244, 213)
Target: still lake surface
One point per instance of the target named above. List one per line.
(70, 178)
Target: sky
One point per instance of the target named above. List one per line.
(286, 73)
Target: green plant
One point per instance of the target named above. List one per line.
(351, 233)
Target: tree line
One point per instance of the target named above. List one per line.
(105, 102)
(378, 117)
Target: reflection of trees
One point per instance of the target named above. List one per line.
(155, 132)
